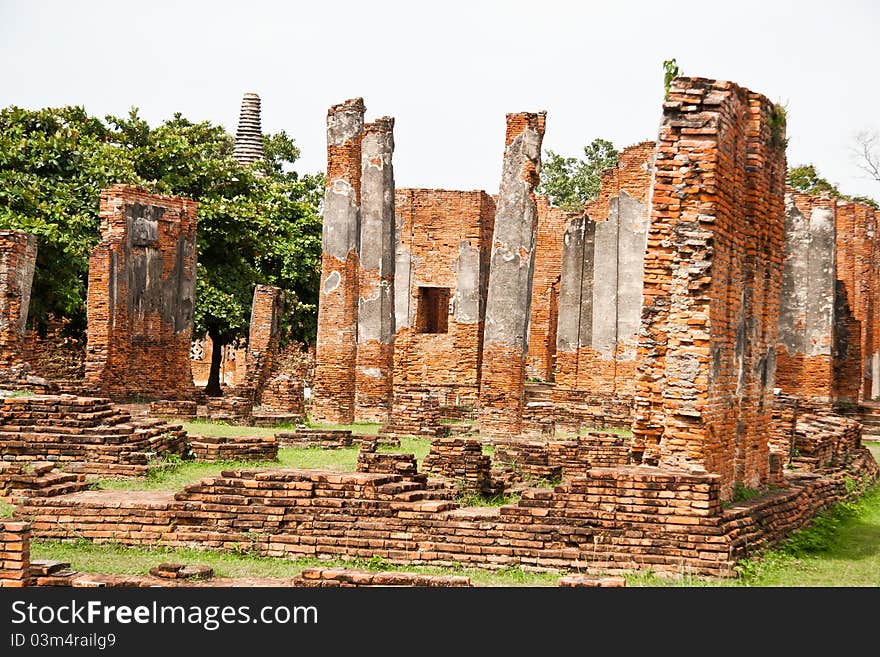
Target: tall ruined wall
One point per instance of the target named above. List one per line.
(140, 296)
(552, 222)
(508, 300)
(858, 259)
(804, 353)
(336, 351)
(443, 239)
(264, 336)
(603, 281)
(713, 272)
(375, 336)
(18, 256)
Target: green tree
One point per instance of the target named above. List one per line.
(255, 225)
(806, 179)
(570, 182)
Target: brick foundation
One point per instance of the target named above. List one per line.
(322, 438)
(347, 577)
(462, 461)
(415, 411)
(230, 448)
(140, 297)
(183, 410)
(573, 457)
(712, 283)
(232, 409)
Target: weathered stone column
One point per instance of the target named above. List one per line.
(249, 136)
(336, 348)
(375, 348)
(508, 306)
(575, 327)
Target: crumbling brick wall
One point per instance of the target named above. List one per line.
(15, 548)
(441, 273)
(847, 352)
(508, 298)
(857, 262)
(552, 222)
(140, 296)
(336, 355)
(18, 256)
(601, 285)
(804, 365)
(264, 336)
(713, 271)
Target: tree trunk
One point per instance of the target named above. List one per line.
(212, 389)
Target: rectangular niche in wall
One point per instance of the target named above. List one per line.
(433, 310)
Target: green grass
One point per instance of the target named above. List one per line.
(6, 509)
(112, 558)
(205, 428)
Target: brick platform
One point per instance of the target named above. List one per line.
(462, 461)
(234, 410)
(574, 457)
(346, 577)
(183, 410)
(37, 479)
(322, 438)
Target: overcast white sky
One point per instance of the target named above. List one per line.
(449, 71)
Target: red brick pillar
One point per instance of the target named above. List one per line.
(15, 548)
(375, 348)
(18, 255)
(713, 271)
(508, 303)
(336, 348)
(264, 336)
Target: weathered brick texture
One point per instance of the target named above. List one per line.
(552, 222)
(264, 336)
(336, 356)
(713, 271)
(375, 337)
(140, 296)
(804, 354)
(508, 299)
(15, 554)
(18, 255)
(443, 242)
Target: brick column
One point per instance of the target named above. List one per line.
(15, 546)
(375, 337)
(264, 336)
(336, 348)
(18, 255)
(713, 271)
(508, 303)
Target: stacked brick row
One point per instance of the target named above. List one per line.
(613, 520)
(82, 429)
(415, 412)
(405, 465)
(552, 458)
(322, 438)
(234, 448)
(283, 394)
(234, 410)
(18, 255)
(574, 410)
(508, 299)
(36, 479)
(461, 460)
(184, 410)
(826, 438)
(15, 542)
(443, 241)
(348, 577)
(141, 295)
(712, 284)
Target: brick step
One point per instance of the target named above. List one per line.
(424, 495)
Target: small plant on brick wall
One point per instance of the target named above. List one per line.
(670, 72)
(778, 120)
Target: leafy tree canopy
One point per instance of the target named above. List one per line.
(251, 228)
(570, 182)
(806, 179)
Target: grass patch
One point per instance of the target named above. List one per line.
(478, 499)
(6, 509)
(113, 558)
(410, 445)
(223, 430)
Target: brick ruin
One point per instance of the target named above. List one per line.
(713, 274)
(18, 256)
(140, 296)
(264, 337)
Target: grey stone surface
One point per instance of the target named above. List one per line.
(466, 301)
(575, 323)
